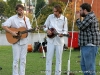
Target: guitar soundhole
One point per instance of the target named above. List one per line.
(16, 37)
(53, 33)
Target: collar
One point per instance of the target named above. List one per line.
(90, 13)
(61, 16)
(19, 17)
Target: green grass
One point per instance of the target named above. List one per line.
(36, 65)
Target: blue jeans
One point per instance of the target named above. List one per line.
(88, 56)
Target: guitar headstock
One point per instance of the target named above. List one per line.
(36, 28)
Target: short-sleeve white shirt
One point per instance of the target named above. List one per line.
(17, 22)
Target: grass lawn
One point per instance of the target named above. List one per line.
(36, 65)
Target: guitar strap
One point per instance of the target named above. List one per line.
(25, 22)
(63, 24)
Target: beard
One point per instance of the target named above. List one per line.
(19, 14)
(55, 15)
(83, 14)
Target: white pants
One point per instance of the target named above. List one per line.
(19, 54)
(50, 52)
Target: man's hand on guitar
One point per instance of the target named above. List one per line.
(14, 33)
(60, 35)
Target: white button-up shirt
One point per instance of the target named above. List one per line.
(17, 22)
(60, 24)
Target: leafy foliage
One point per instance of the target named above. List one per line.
(47, 10)
(11, 7)
(2, 7)
(2, 10)
(40, 4)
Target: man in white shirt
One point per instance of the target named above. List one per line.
(19, 48)
(59, 23)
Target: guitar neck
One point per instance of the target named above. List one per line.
(30, 30)
(67, 35)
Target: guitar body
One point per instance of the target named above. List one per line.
(12, 39)
(54, 33)
(53, 30)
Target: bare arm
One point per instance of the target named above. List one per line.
(8, 30)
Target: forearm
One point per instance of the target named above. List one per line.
(7, 29)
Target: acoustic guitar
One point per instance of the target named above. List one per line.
(54, 33)
(22, 33)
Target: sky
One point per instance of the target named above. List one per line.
(23, 1)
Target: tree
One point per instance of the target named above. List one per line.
(40, 4)
(69, 13)
(2, 7)
(10, 10)
(70, 16)
(45, 11)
